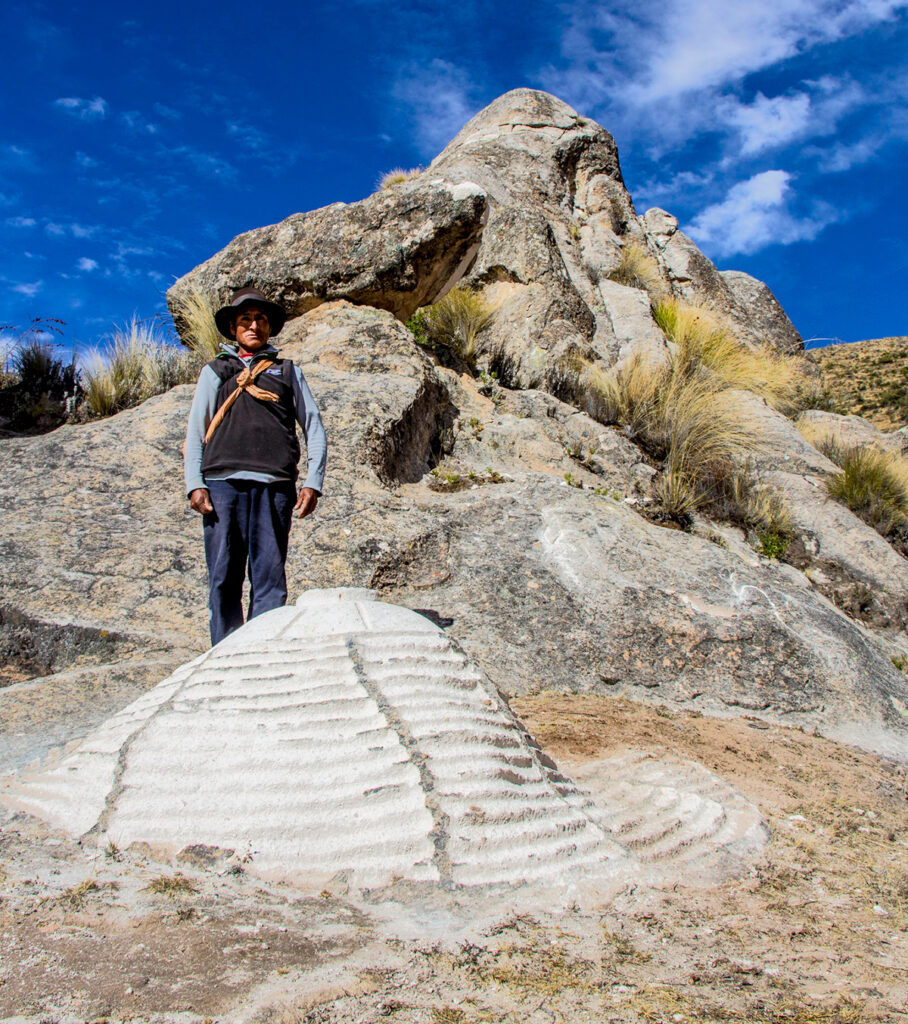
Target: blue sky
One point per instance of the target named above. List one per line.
(138, 140)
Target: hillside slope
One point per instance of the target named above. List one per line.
(868, 379)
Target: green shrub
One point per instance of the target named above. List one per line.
(35, 385)
(873, 484)
(38, 373)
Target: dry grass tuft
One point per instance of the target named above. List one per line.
(872, 482)
(454, 322)
(683, 411)
(194, 313)
(397, 176)
(75, 896)
(874, 485)
(136, 364)
(706, 339)
(171, 885)
(638, 269)
(679, 417)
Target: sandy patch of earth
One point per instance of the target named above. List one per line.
(814, 929)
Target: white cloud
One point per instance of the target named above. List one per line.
(84, 160)
(654, 192)
(21, 222)
(437, 96)
(135, 122)
(756, 213)
(768, 123)
(28, 290)
(76, 230)
(84, 263)
(670, 74)
(843, 156)
(86, 110)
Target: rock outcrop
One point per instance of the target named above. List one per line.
(504, 513)
(396, 250)
(759, 312)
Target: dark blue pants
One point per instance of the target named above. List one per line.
(250, 526)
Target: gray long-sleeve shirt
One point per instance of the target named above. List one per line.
(204, 404)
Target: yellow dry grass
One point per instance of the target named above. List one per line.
(194, 313)
(135, 365)
(638, 269)
(171, 885)
(397, 176)
(686, 419)
(455, 321)
(705, 338)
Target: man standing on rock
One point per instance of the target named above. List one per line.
(241, 459)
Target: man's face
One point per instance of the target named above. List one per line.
(252, 329)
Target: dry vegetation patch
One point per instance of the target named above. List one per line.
(867, 378)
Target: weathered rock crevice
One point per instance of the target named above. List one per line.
(31, 647)
(403, 450)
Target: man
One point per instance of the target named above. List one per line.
(241, 458)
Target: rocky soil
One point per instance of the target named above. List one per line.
(814, 929)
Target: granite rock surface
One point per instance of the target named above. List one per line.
(508, 516)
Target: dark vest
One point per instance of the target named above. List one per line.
(256, 436)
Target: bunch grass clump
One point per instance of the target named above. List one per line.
(637, 269)
(704, 338)
(136, 364)
(194, 313)
(874, 485)
(397, 176)
(872, 482)
(683, 410)
(454, 322)
(684, 419)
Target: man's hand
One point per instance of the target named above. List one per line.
(306, 502)
(200, 501)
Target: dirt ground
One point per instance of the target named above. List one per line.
(815, 929)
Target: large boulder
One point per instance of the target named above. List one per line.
(559, 207)
(758, 311)
(397, 250)
(853, 431)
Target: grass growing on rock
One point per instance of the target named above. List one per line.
(681, 418)
(705, 339)
(683, 410)
(872, 482)
(195, 314)
(397, 176)
(454, 322)
(136, 364)
(637, 269)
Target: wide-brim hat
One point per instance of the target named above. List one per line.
(277, 315)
